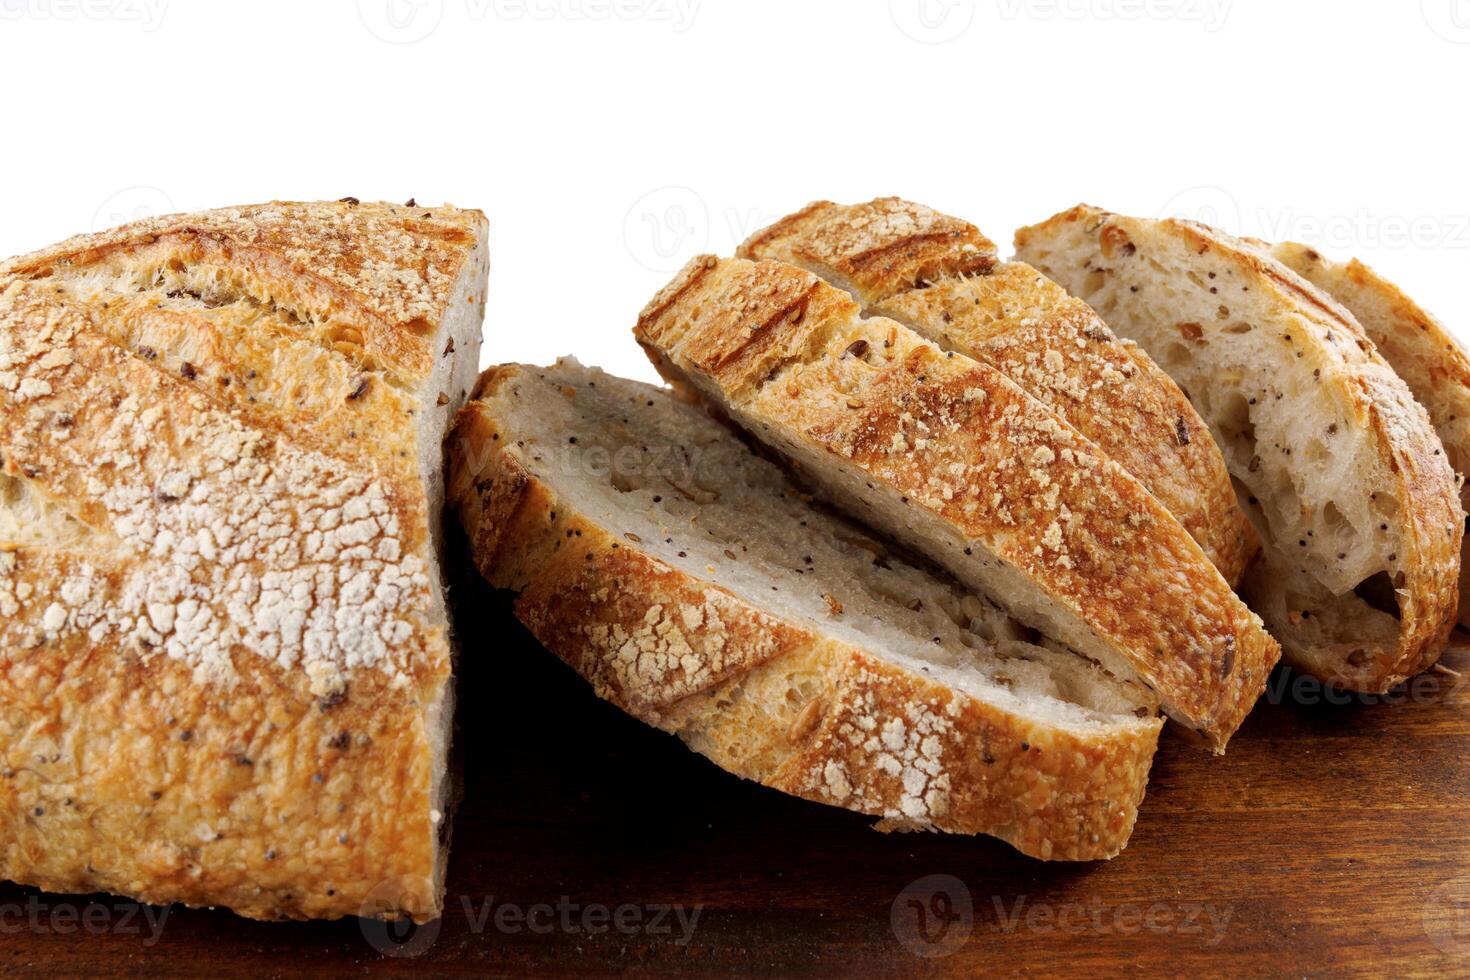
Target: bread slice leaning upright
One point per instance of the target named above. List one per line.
(697, 588)
(224, 649)
(1338, 463)
(940, 277)
(1416, 345)
(949, 457)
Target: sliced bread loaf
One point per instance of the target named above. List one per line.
(940, 277)
(951, 458)
(1339, 466)
(1416, 345)
(698, 589)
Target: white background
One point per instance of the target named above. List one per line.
(609, 140)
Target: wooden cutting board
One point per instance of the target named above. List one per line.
(1333, 838)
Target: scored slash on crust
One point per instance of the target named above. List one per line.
(1040, 517)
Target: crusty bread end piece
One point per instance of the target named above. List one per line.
(225, 670)
(948, 456)
(939, 276)
(693, 584)
(1338, 464)
(1419, 349)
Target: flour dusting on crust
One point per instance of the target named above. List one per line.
(233, 539)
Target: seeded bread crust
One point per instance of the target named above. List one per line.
(939, 276)
(719, 671)
(952, 458)
(225, 670)
(1337, 636)
(1416, 345)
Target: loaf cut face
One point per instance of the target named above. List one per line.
(948, 456)
(694, 585)
(1337, 463)
(1418, 347)
(939, 276)
(225, 672)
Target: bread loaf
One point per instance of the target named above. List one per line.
(224, 650)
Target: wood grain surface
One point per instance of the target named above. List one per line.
(1333, 839)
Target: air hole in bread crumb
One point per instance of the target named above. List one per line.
(1378, 591)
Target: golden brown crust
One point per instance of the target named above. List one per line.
(1405, 441)
(214, 536)
(962, 443)
(1053, 345)
(123, 774)
(615, 613)
(385, 272)
(878, 249)
(1416, 345)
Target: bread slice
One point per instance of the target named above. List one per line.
(1416, 345)
(941, 278)
(948, 456)
(1346, 478)
(225, 671)
(698, 589)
